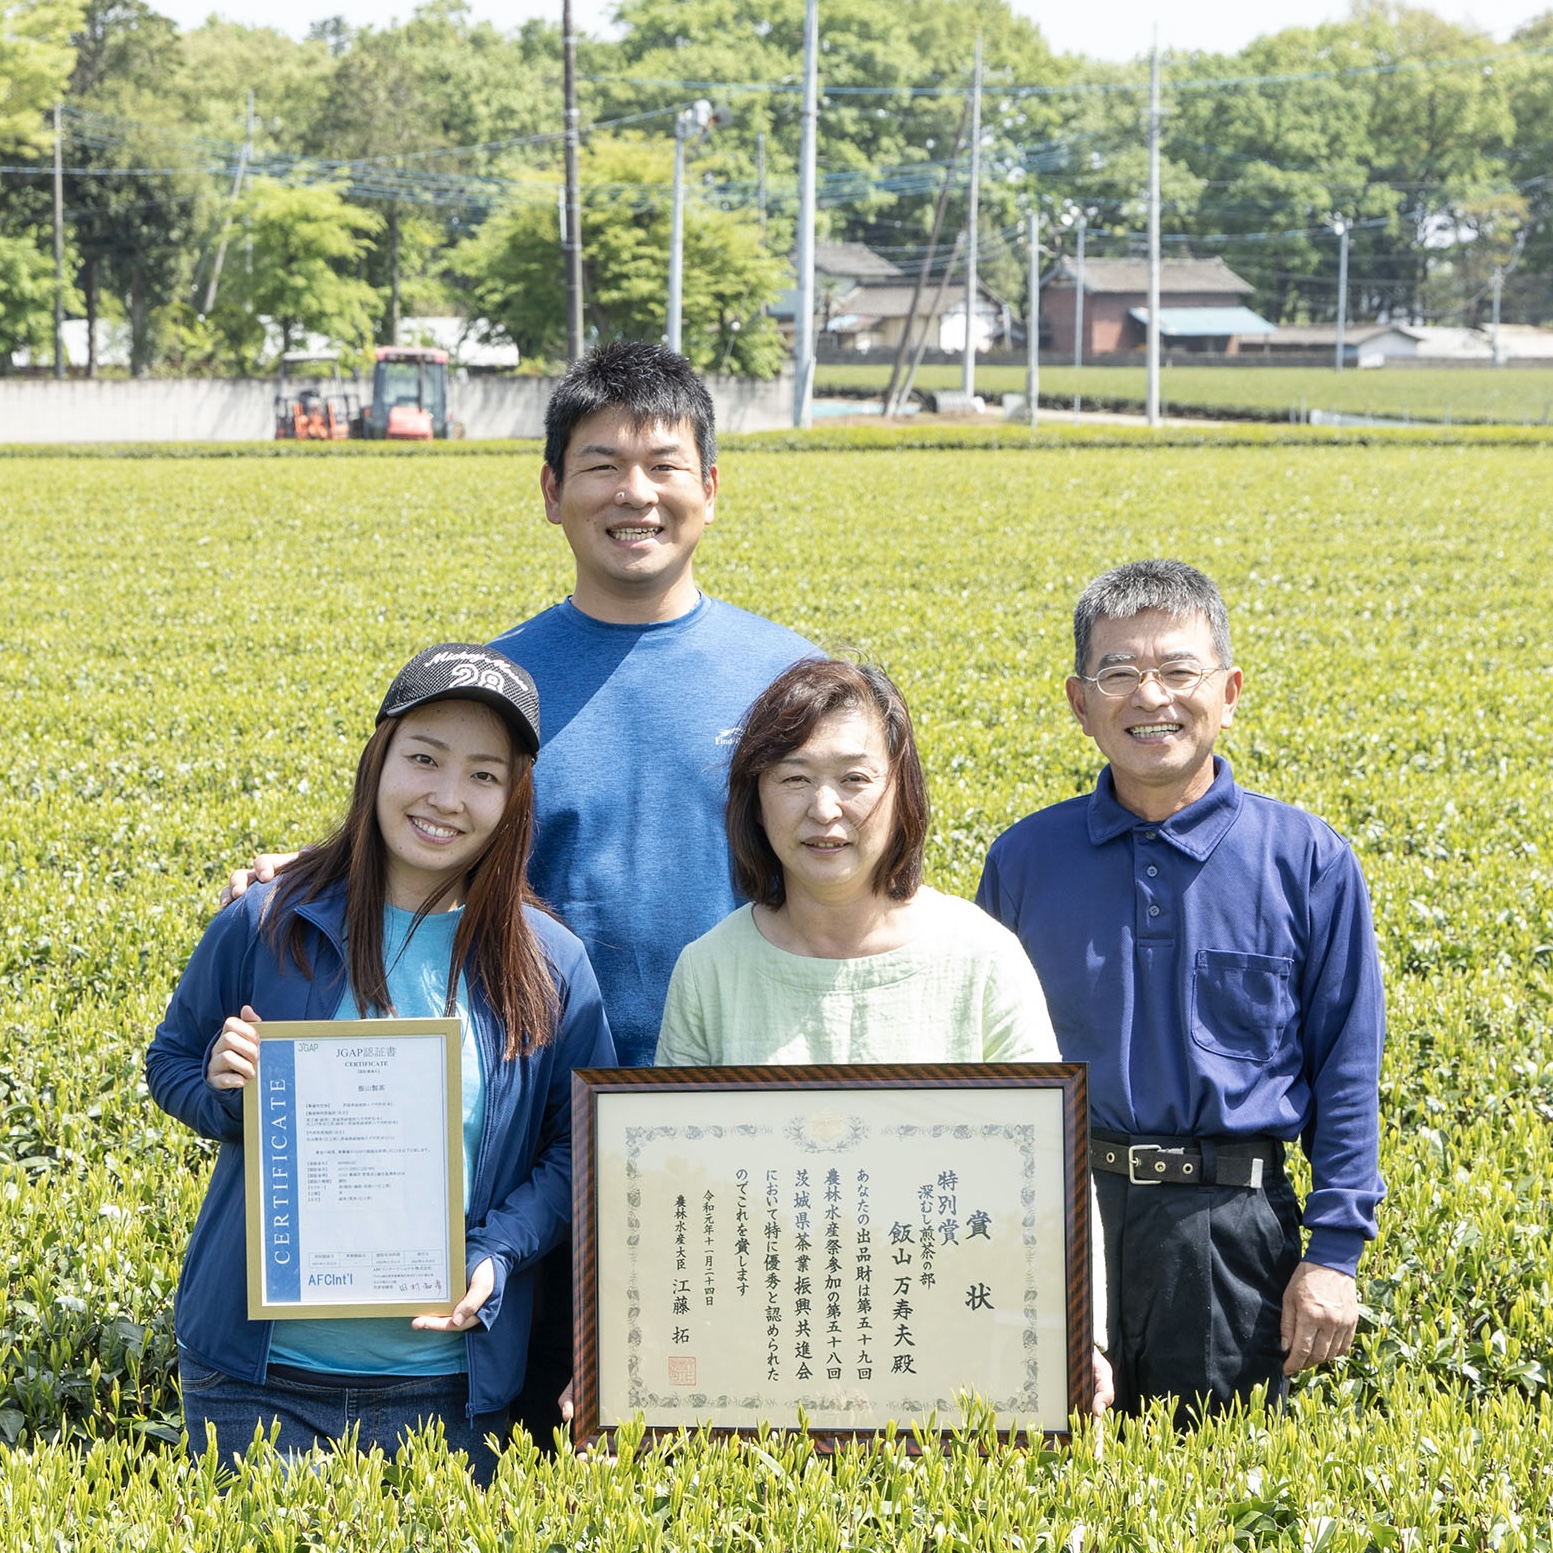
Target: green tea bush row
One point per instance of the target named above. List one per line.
(195, 651)
(1434, 1474)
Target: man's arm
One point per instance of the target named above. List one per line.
(1344, 1029)
(263, 868)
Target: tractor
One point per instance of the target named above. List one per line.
(409, 395)
(321, 409)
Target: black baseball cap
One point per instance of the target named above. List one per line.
(461, 671)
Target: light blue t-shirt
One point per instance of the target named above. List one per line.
(636, 724)
(389, 1345)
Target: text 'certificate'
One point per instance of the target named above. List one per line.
(353, 1146)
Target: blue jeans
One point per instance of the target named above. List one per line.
(320, 1409)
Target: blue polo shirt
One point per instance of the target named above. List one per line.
(1217, 971)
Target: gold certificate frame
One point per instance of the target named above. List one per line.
(866, 1244)
(353, 1158)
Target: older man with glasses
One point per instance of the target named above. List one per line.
(1209, 953)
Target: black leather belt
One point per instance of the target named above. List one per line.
(1189, 1161)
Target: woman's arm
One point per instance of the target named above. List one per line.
(216, 981)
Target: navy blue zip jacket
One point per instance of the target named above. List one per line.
(520, 1198)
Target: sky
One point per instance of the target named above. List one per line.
(1102, 29)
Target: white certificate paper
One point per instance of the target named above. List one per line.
(354, 1169)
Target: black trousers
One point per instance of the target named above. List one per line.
(1195, 1280)
(538, 1405)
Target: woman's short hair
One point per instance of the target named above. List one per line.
(782, 720)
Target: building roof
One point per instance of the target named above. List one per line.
(853, 261)
(1312, 336)
(1131, 276)
(1201, 323)
(461, 338)
(1437, 340)
(885, 301)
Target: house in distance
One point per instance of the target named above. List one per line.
(1201, 307)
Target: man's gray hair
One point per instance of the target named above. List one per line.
(1171, 587)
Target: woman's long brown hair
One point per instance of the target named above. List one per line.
(493, 940)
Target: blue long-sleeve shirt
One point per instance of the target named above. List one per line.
(1218, 973)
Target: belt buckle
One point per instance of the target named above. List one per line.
(1133, 1151)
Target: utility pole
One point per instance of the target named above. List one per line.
(1498, 291)
(1340, 225)
(803, 323)
(760, 183)
(59, 247)
(1033, 321)
(677, 234)
(1152, 397)
(571, 231)
(243, 158)
(694, 120)
(968, 362)
(1080, 219)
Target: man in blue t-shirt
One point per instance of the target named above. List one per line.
(643, 680)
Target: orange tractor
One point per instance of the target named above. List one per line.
(409, 394)
(321, 409)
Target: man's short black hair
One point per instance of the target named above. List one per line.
(652, 384)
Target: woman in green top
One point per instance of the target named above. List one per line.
(844, 954)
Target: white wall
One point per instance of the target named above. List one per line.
(242, 410)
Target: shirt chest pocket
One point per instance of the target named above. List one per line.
(1241, 1003)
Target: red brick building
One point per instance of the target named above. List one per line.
(1201, 306)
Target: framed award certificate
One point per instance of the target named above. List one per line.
(353, 1150)
(863, 1244)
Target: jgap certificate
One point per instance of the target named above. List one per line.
(354, 1165)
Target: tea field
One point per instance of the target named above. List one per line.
(1508, 395)
(193, 652)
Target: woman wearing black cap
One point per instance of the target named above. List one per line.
(416, 906)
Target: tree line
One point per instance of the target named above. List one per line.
(415, 169)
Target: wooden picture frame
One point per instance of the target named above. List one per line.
(868, 1244)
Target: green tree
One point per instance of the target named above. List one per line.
(137, 233)
(399, 98)
(35, 61)
(306, 242)
(223, 62)
(1277, 159)
(26, 298)
(515, 280)
(1528, 295)
(881, 150)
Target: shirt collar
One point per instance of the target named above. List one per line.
(1195, 830)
